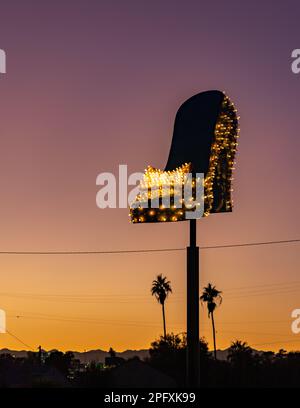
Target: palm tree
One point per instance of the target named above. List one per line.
(212, 297)
(239, 353)
(161, 288)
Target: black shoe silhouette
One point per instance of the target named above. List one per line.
(204, 141)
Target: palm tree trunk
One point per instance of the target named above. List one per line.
(214, 334)
(164, 320)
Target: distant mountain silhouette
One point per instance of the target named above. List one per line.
(21, 353)
(99, 355)
(222, 354)
(90, 355)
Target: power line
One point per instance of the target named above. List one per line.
(233, 293)
(264, 293)
(82, 301)
(264, 285)
(19, 340)
(276, 342)
(129, 323)
(245, 244)
(35, 315)
(90, 321)
(105, 297)
(241, 332)
(89, 252)
(239, 289)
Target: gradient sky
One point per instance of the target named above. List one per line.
(94, 84)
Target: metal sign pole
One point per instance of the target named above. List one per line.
(193, 357)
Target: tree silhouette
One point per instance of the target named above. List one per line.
(239, 351)
(212, 297)
(161, 288)
(244, 364)
(61, 361)
(244, 367)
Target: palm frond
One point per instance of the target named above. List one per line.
(161, 288)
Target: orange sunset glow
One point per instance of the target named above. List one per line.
(90, 88)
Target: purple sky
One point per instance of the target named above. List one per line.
(94, 84)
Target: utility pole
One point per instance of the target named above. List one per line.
(193, 355)
(40, 355)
